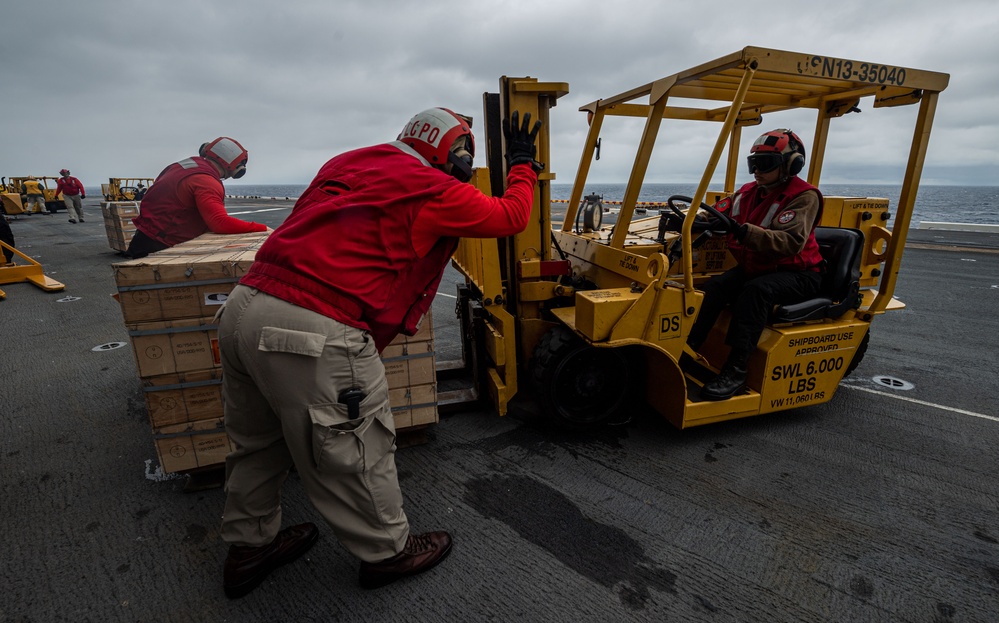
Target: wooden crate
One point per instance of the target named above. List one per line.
(189, 280)
(118, 224)
(414, 406)
(187, 397)
(175, 346)
(188, 446)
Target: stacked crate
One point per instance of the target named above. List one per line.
(118, 225)
(410, 369)
(169, 299)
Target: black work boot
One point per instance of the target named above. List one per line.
(729, 382)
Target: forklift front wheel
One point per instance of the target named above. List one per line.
(581, 386)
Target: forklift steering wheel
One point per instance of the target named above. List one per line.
(723, 218)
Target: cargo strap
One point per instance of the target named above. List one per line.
(163, 388)
(189, 433)
(177, 284)
(203, 327)
(419, 406)
(407, 357)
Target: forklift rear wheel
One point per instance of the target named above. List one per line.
(582, 386)
(859, 355)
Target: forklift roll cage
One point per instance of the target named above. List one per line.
(518, 288)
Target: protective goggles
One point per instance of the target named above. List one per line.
(764, 162)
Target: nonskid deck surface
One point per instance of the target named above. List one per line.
(876, 506)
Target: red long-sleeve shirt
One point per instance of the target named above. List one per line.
(209, 196)
(368, 241)
(70, 186)
(462, 211)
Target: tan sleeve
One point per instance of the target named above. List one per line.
(789, 228)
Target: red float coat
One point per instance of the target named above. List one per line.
(70, 186)
(785, 209)
(186, 200)
(367, 242)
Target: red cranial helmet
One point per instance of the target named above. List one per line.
(227, 154)
(777, 148)
(442, 137)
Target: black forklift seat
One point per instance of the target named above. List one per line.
(841, 249)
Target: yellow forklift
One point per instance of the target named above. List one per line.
(125, 188)
(15, 185)
(10, 200)
(595, 319)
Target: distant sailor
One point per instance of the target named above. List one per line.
(73, 195)
(35, 196)
(187, 199)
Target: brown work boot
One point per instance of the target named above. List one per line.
(246, 567)
(422, 552)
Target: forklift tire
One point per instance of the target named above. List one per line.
(580, 385)
(859, 355)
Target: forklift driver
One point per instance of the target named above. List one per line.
(772, 236)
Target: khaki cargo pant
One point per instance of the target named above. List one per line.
(283, 370)
(35, 204)
(74, 206)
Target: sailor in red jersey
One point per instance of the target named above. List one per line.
(188, 199)
(772, 236)
(357, 262)
(73, 195)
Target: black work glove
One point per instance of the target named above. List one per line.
(707, 223)
(737, 230)
(520, 147)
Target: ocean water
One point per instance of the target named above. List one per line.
(951, 204)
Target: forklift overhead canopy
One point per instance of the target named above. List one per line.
(747, 85)
(783, 80)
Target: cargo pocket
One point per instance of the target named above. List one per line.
(344, 446)
(275, 339)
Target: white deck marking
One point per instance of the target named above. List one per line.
(922, 402)
(256, 211)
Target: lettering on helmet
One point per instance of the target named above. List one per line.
(430, 134)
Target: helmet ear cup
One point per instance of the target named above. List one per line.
(795, 162)
(796, 159)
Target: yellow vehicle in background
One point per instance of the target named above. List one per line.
(596, 319)
(15, 186)
(125, 188)
(10, 201)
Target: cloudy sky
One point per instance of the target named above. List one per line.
(119, 88)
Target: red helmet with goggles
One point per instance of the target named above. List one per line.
(228, 154)
(777, 148)
(441, 136)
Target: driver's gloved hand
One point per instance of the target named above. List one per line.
(703, 222)
(738, 230)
